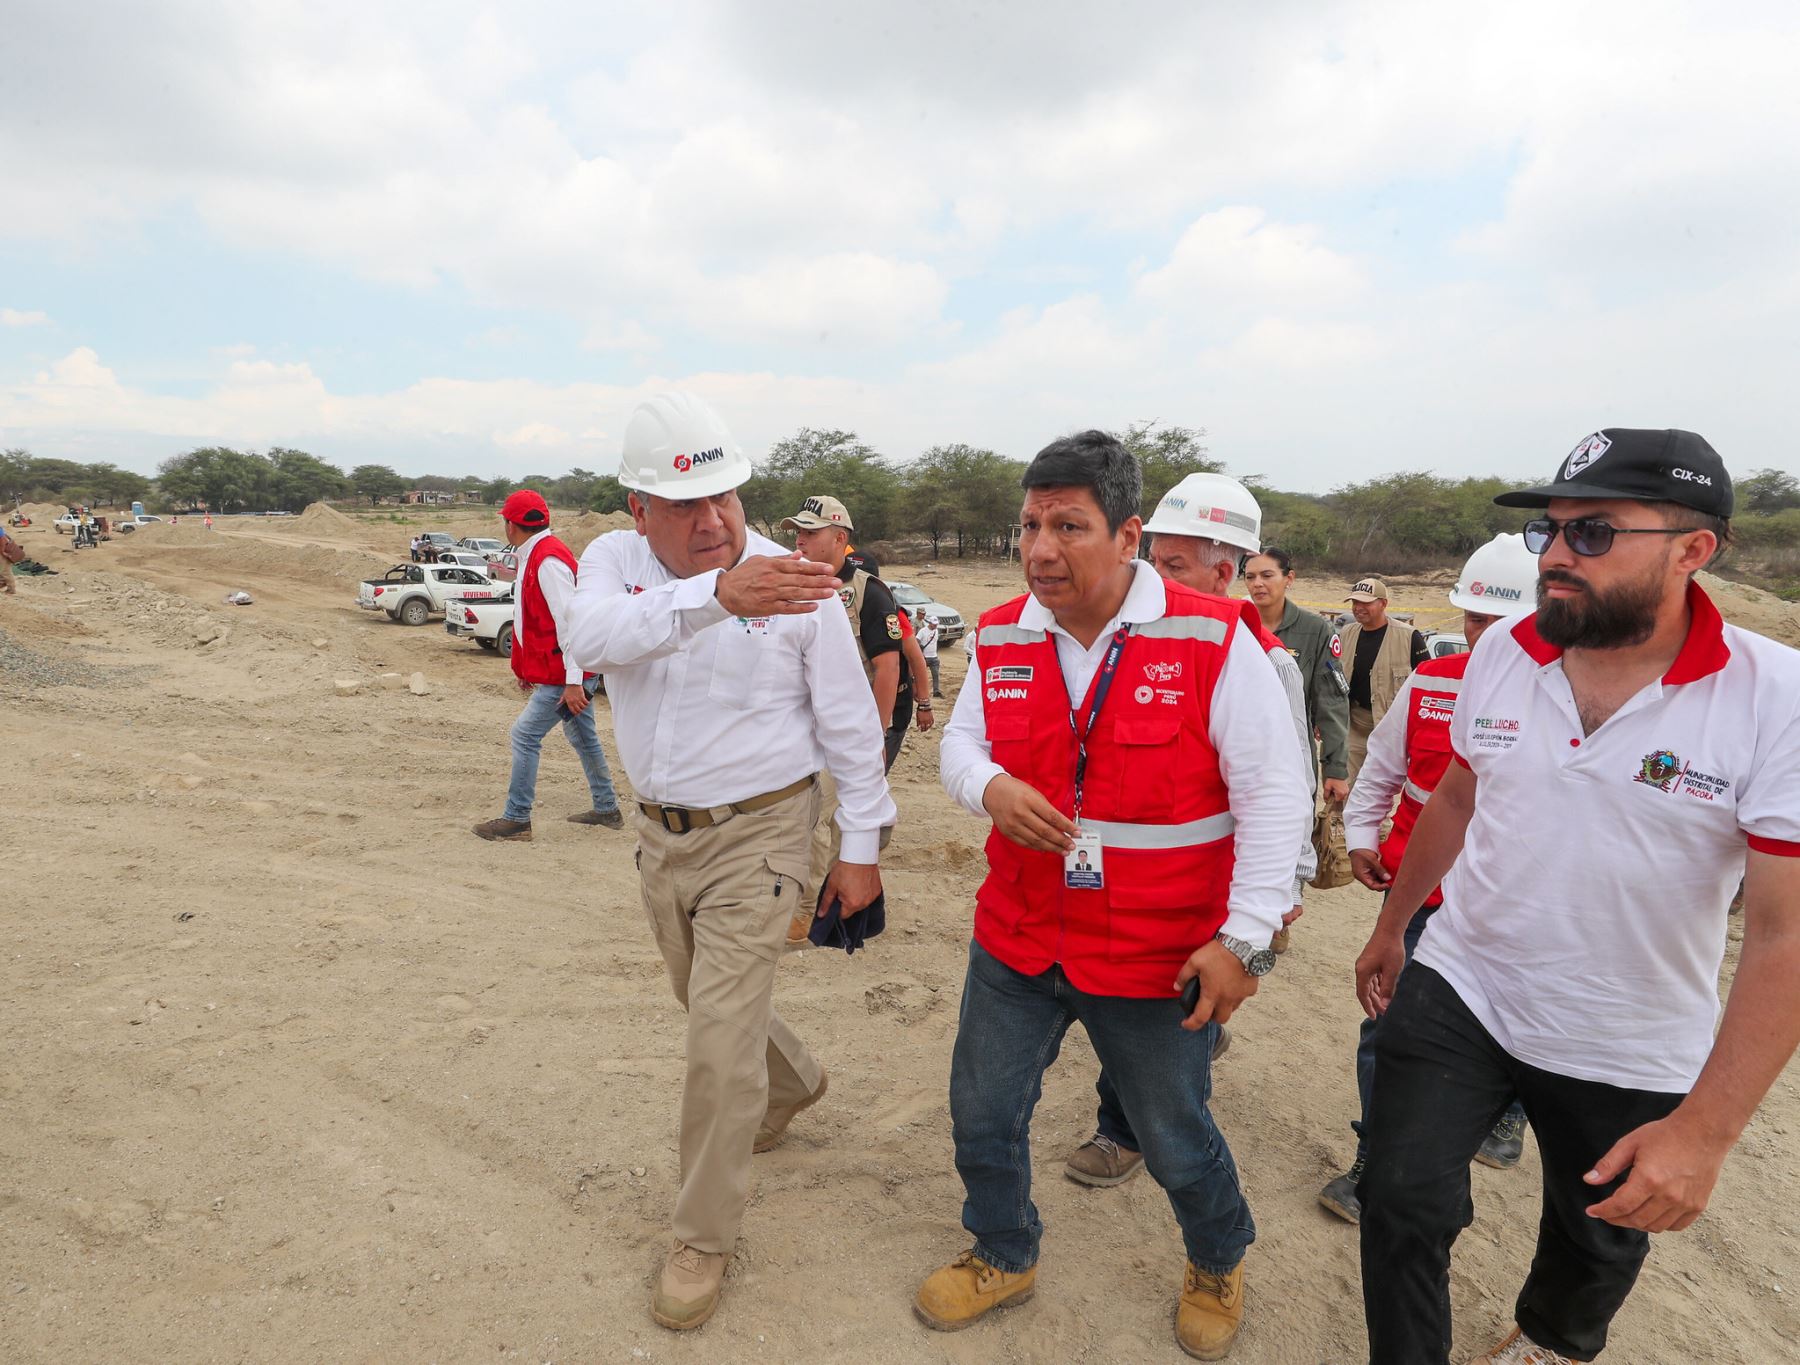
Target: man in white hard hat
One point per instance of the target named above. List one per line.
(1408, 753)
(1381, 653)
(731, 691)
(1202, 530)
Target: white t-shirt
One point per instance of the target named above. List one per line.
(1584, 922)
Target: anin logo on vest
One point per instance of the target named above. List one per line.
(1433, 707)
(683, 463)
(1480, 589)
(1009, 693)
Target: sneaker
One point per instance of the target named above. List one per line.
(1101, 1162)
(1503, 1147)
(1339, 1195)
(1519, 1349)
(518, 831)
(1280, 943)
(775, 1122)
(612, 819)
(1210, 1312)
(689, 1288)
(958, 1295)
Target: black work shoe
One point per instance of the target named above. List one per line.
(1503, 1147)
(519, 830)
(612, 819)
(1340, 1195)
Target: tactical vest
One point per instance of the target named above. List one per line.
(852, 596)
(1389, 669)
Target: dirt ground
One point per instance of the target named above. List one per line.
(296, 1068)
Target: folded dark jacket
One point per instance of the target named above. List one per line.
(832, 930)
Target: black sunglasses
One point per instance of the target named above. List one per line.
(1588, 536)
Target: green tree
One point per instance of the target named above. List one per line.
(962, 490)
(114, 487)
(608, 495)
(299, 479)
(831, 462)
(1766, 492)
(1166, 457)
(13, 464)
(375, 482)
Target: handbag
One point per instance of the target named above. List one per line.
(1330, 847)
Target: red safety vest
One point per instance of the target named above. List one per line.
(538, 657)
(1153, 792)
(1432, 695)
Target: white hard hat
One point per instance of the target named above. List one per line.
(1212, 507)
(678, 447)
(1500, 579)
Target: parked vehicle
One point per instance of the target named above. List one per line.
(467, 558)
(413, 593)
(1443, 643)
(66, 524)
(950, 622)
(488, 621)
(485, 546)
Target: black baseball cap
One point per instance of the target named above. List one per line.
(1641, 464)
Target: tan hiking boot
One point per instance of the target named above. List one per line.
(689, 1288)
(799, 927)
(612, 819)
(1102, 1163)
(518, 831)
(1210, 1312)
(1519, 1349)
(775, 1122)
(958, 1295)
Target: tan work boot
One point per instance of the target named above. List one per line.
(514, 830)
(1210, 1312)
(799, 930)
(1101, 1162)
(1519, 1349)
(1281, 941)
(957, 1295)
(689, 1288)
(775, 1122)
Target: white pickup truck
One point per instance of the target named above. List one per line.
(413, 593)
(488, 621)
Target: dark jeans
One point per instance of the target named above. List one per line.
(903, 714)
(1365, 1051)
(1008, 1034)
(1440, 1082)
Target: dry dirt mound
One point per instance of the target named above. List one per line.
(42, 513)
(169, 535)
(1754, 609)
(210, 554)
(321, 519)
(579, 531)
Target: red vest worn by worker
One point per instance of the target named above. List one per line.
(1153, 793)
(538, 657)
(1435, 686)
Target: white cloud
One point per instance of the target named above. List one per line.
(1234, 258)
(14, 317)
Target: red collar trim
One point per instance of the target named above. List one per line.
(1703, 652)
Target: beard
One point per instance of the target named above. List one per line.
(1618, 618)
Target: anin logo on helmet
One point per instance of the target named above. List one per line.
(683, 463)
(1172, 501)
(1480, 589)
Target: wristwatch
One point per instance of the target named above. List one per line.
(1257, 961)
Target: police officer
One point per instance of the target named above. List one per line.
(1111, 708)
(1268, 576)
(731, 690)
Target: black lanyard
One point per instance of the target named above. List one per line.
(1102, 685)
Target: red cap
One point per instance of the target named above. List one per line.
(526, 508)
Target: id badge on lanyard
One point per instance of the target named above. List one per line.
(1084, 864)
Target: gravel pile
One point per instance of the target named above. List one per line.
(26, 670)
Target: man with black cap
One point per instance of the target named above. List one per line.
(1619, 759)
(558, 693)
(1382, 654)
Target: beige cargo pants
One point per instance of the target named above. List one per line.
(1362, 725)
(719, 900)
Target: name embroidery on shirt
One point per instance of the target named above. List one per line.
(1666, 772)
(1495, 732)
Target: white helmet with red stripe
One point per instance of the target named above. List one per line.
(1210, 507)
(678, 447)
(1500, 579)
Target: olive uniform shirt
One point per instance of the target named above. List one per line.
(1316, 648)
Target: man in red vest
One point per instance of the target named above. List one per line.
(1130, 742)
(1407, 755)
(558, 693)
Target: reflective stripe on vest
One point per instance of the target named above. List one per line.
(1202, 628)
(1416, 792)
(1192, 834)
(1010, 635)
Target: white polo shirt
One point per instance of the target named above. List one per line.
(1584, 922)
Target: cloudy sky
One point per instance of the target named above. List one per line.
(1344, 238)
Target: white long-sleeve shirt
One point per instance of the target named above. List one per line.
(710, 708)
(1382, 776)
(556, 580)
(1293, 687)
(1252, 728)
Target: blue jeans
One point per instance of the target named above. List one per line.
(1365, 1051)
(543, 711)
(1008, 1034)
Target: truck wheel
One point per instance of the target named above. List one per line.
(415, 611)
(503, 641)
